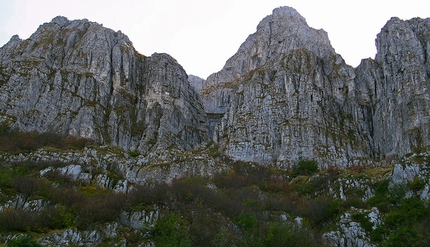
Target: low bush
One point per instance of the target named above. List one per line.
(320, 211)
(12, 140)
(49, 218)
(100, 209)
(379, 234)
(147, 195)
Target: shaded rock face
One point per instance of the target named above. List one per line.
(286, 95)
(81, 79)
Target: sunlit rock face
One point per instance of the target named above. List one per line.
(81, 79)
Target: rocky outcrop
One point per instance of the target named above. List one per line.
(110, 234)
(351, 233)
(81, 79)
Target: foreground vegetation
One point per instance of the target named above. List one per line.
(249, 205)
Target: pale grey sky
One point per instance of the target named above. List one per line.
(202, 34)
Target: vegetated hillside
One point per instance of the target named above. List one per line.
(285, 146)
(80, 194)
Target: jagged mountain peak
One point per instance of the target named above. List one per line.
(82, 79)
(277, 35)
(62, 20)
(283, 14)
(278, 94)
(285, 25)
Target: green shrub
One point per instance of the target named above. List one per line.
(50, 218)
(409, 211)
(379, 234)
(364, 221)
(247, 221)
(408, 223)
(381, 197)
(417, 184)
(134, 153)
(172, 231)
(291, 235)
(305, 167)
(222, 238)
(58, 217)
(404, 236)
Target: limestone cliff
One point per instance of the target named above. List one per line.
(286, 95)
(81, 79)
(283, 94)
(394, 88)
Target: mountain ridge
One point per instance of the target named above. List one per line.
(286, 95)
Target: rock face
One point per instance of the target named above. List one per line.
(196, 82)
(286, 95)
(394, 88)
(81, 79)
(283, 94)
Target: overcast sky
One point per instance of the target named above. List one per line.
(201, 35)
